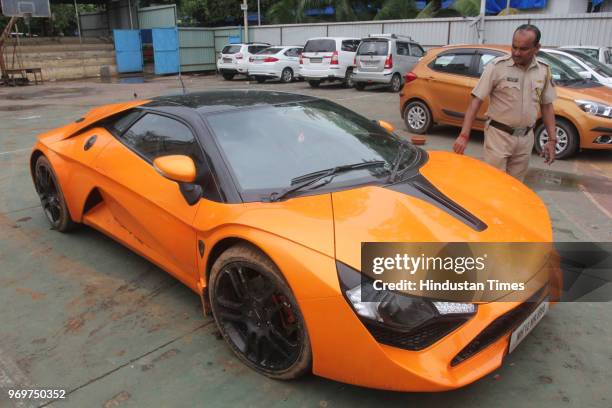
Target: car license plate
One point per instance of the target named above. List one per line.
(527, 326)
(369, 63)
(316, 60)
(227, 60)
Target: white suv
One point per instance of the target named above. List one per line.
(234, 58)
(328, 59)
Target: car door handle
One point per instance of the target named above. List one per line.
(90, 142)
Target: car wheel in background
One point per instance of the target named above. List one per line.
(260, 79)
(360, 86)
(51, 196)
(287, 75)
(228, 76)
(396, 83)
(417, 117)
(258, 315)
(348, 78)
(567, 139)
(314, 84)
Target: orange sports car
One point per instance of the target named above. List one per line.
(260, 201)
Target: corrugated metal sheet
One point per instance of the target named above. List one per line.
(462, 33)
(94, 24)
(426, 33)
(157, 17)
(354, 30)
(263, 34)
(500, 32)
(556, 32)
(197, 49)
(298, 35)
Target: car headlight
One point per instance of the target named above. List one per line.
(595, 108)
(397, 319)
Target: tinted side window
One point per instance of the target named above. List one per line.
(453, 63)
(230, 49)
(154, 135)
(416, 50)
(402, 48)
(119, 123)
(608, 58)
(350, 45)
(484, 59)
(254, 49)
(293, 52)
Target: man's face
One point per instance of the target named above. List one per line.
(524, 48)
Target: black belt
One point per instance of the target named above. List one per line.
(519, 131)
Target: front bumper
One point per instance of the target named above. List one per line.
(383, 77)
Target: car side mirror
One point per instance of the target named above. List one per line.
(386, 125)
(177, 168)
(585, 75)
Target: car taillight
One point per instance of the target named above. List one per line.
(410, 76)
(301, 59)
(389, 62)
(238, 56)
(270, 59)
(334, 58)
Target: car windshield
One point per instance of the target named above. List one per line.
(373, 47)
(266, 148)
(562, 74)
(592, 63)
(320, 46)
(591, 52)
(231, 49)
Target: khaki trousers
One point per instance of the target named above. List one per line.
(506, 152)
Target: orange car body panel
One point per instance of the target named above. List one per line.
(452, 92)
(304, 237)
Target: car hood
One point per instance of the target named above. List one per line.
(601, 93)
(474, 202)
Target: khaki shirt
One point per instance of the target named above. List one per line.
(516, 94)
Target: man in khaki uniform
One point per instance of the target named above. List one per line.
(518, 85)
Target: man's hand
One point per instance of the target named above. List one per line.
(461, 143)
(548, 152)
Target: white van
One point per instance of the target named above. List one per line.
(328, 59)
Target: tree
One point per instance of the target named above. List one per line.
(397, 9)
(460, 8)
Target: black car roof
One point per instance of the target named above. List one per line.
(222, 100)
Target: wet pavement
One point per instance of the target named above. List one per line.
(80, 312)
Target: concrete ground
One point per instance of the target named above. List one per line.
(81, 313)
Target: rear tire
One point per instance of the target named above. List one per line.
(360, 86)
(396, 83)
(348, 78)
(314, 84)
(51, 196)
(287, 76)
(260, 79)
(568, 140)
(418, 118)
(228, 76)
(258, 315)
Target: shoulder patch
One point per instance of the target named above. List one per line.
(500, 59)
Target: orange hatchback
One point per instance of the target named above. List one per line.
(438, 91)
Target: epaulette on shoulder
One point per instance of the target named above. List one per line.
(500, 59)
(546, 64)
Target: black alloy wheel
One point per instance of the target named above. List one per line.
(51, 197)
(257, 314)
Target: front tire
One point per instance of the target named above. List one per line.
(360, 86)
(568, 141)
(258, 315)
(51, 196)
(417, 117)
(287, 76)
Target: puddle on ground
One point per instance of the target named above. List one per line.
(542, 180)
(16, 108)
(124, 80)
(49, 92)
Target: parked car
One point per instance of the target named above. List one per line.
(584, 65)
(601, 54)
(385, 59)
(328, 59)
(259, 202)
(277, 62)
(234, 58)
(438, 90)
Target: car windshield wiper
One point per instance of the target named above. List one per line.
(306, 180)
(396, 163)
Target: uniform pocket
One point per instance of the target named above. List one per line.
(510, 91)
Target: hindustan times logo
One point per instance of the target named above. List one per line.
(412, 264)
